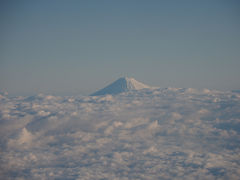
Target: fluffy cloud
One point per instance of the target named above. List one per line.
(160, 134)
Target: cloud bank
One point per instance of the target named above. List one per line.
(147, 134)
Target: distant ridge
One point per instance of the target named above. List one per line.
(123, 84)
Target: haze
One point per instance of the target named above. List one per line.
(67, 48)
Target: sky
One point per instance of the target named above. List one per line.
(72, 47)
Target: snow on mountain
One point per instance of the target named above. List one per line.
(121, 85)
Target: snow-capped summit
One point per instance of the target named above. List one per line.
(121, 85)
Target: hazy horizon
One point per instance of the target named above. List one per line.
(78, 47)
(67, 115)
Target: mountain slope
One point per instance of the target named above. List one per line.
(121, 85)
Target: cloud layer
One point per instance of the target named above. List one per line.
(148, 134)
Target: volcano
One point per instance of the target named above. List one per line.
(123, 84)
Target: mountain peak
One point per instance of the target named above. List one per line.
(123, 84)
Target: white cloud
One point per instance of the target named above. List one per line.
(168, 133)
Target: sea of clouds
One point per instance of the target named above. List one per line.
(149, 134)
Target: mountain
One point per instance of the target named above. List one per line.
(121, 85)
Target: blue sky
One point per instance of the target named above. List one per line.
(76, 47)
